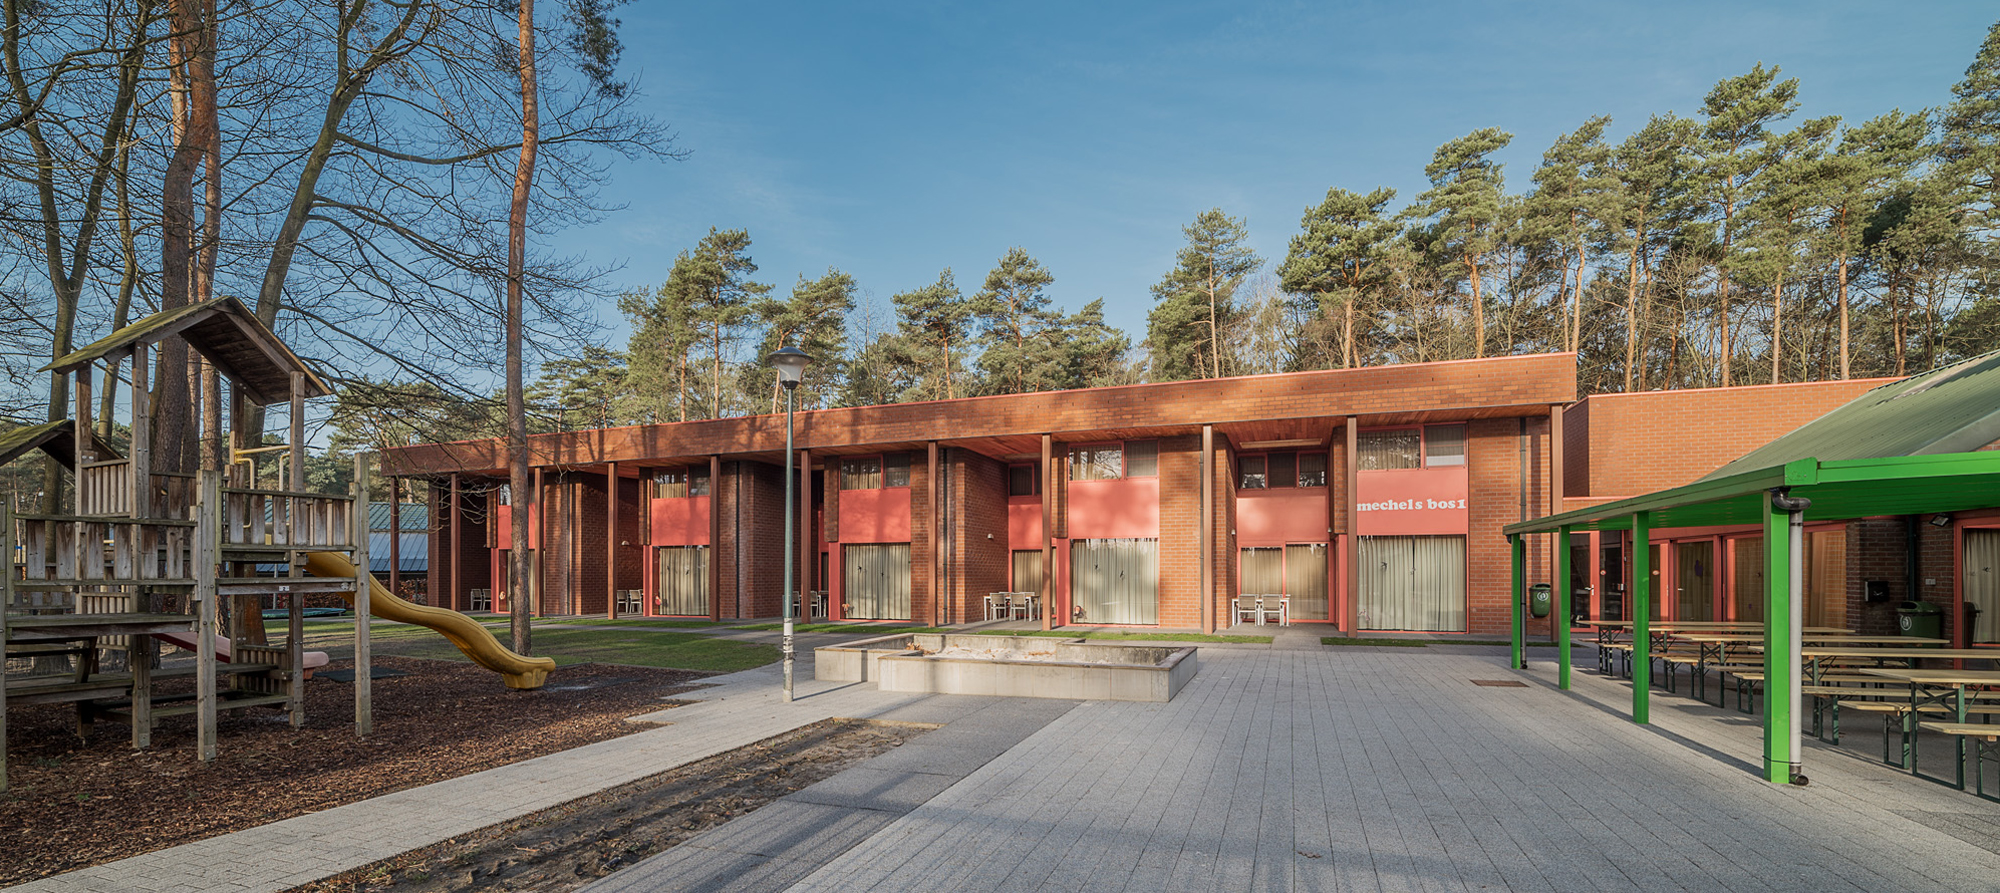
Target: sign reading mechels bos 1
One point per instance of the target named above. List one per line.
(1412, 502)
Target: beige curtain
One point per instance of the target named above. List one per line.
(1982, 582)
(1262, 571)
(877, 581)
(1115, 580)
(1747, 588)
(683, 581)
(1412, 583)
(1826, 578)
(1027, 576)
(1305, 580)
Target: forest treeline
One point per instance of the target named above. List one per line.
(347, 174)
(1736, 245)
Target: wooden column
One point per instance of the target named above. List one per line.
(1336, 528)
(1351, 470)
(611, 541)
(451, 517)
(714, 540)
(208, 536)
(295, 618)
(1048, 533)
(142, 436)
(538, 532)
(1207, 535)
(934, 509)
(84, 439)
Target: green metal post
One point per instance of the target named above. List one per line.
(1781, 647)
(1561, 618)
(1642, 617)
(1519, 548)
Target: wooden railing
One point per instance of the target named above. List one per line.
(173, 496)
(104, 488)
(286, 518)
(109, 550)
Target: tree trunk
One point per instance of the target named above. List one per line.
(1576, 323)
(1632, 306)
(192, 80)
(517, 256)
(1777, 326)
(1844, 372)
(1478, 310)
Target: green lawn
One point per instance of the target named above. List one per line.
(1133, 637)
(844, 628)
(1418, 643)
(642, 622)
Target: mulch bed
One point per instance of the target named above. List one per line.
(569, 846)
(73, 804)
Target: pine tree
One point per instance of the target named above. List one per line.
(1970, 148)
(1194, 303)
(658, 353)
(1463, 207)
(712, 286)
(1337, 258)
(1870, 161)
(1572, 190)
(1647, 172)
(934, 321)
(813, 319)
(1735, 130)
(1013, 316)
(1775, 219)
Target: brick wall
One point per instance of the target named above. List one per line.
(1494, 457)
(1641, 442)
(475, 564)
(980, 559)
(923, 534)
(749, 553)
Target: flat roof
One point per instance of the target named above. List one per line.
(1297, 407)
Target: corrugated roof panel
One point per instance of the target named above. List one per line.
(415, 557)
(1950, 409)
(415, 516)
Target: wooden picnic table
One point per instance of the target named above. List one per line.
(1817, 656)
(1937, 688)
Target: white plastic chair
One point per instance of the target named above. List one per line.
(1277, 608)
(1248, 607)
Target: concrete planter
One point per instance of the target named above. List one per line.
(1011, 666)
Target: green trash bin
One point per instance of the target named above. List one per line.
(1540, 599)
(1921, 619)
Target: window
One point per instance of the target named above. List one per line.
(1250, 473)
(1112, 461)
(676, 483)
(683, 581)
(1281, 470)
(1115, 581)
(875, 472)
(861, 473)
(1432, 446)
(1142, 459)
(1387, 450)
(1021, 481)
(1096, 463)
(1312, 469)
(503, 494)
(1444, 445)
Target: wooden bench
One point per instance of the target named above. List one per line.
(1985, 745)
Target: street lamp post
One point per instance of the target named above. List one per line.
(791, 363)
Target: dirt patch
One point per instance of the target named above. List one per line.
(568, 846)
(74, 804)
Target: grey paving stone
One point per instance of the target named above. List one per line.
(867, 787)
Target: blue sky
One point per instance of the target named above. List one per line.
(893, 140)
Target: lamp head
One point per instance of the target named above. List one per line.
(791, 363)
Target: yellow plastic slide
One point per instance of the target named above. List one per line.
(464, 632)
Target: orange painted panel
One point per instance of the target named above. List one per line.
(1413, 502)
(681, 521)
(1277, 517)
(1114, 509)
(504, 535)
(875, 516)
(1024, 522)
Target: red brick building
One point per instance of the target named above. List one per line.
(1366, 498)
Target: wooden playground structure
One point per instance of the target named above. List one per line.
(97, 579)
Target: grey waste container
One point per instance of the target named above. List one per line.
(1921, 619)
(1540, 599)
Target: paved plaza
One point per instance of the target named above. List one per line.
(1287, 767)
